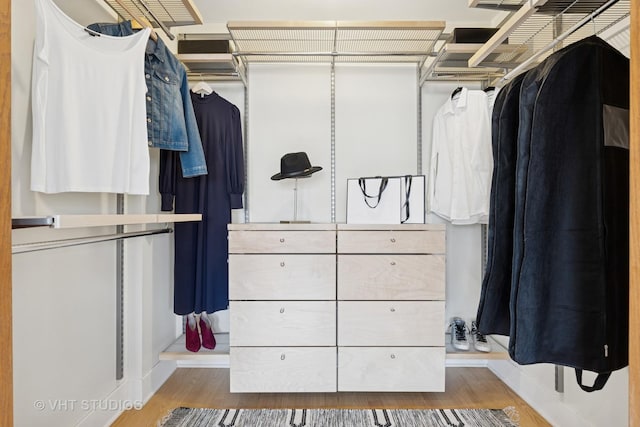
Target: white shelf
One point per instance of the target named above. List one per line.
(497, 352)
(275, 226)
(161, 218)
(218, 357)
(213, 66)
(392, 227)
(79, 221)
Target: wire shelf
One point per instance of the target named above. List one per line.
(170, 13)
(540, 30)
(335, 41)
(552, 7)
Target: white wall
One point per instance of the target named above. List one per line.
(71, 293)
(574, 407)
(64, 300)
(289, 111)
(64, 333)
(376, 124)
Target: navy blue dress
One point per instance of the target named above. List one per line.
(201, 272)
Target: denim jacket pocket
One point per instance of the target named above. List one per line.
(169, 118)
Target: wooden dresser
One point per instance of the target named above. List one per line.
(326, 307)
(391, 308)
(282, 307)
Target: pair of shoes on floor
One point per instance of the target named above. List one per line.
(199, 338)
(460, 334)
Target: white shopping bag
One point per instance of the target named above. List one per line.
(374, 200)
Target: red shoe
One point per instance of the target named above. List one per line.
(192, 340)
(208, 340)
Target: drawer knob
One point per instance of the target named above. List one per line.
(393, 356)
(282, 310)
(393, 310)
(282, 356)
(282, 264)
(282, 240)
(393, 240)
(393, 263)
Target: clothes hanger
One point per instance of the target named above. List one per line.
(142, 22)
(139, 21)
(456, 91)
(202, 88)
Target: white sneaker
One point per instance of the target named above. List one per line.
(480, 342)
(459, 334)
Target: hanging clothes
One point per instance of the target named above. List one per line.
(461, 161)
(201, 252)
(171, 124)
(569, 294)
(493, 311)
(89, 128)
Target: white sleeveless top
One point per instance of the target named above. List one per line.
(89, 118)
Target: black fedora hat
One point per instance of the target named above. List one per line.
(295, 165)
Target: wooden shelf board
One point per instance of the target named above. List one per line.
(219, 355)
(392, 227)
(79, 221)
(497, 351)
(178, 217)
(277, 226)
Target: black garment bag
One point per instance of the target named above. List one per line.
(493, 311)
(570, 280)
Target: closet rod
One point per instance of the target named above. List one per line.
(557, 40)
(218, 77)
(334, 54)
(63, 243)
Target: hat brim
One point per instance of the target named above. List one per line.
(306, 172)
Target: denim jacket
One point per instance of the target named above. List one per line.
(171, 122)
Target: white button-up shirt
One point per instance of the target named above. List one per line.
(461, 159)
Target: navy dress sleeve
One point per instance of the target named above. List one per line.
(167, 178)
(235, 161)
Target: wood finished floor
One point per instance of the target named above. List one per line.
(209, 388)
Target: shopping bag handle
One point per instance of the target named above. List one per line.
(407, 191)
(362, 182)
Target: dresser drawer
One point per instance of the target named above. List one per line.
(282, 241)
(391, 323)
(391, 241)
(390, 277)
(282, 323)
(282, 277)
(283, 369)
(391, 369)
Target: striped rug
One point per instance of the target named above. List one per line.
(200, 417)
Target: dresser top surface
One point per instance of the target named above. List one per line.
(253, 226)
